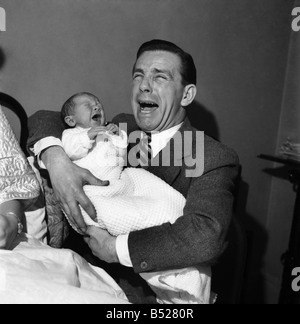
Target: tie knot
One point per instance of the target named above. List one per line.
(147, 137)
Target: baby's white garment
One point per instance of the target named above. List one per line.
(76, 142)
(134, 200)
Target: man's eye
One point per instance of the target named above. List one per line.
(137, 76)
(161, 76)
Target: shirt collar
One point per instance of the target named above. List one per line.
(161, 139)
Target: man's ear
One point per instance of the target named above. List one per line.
(70, 121)
(189, 95)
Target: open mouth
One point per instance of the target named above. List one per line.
(96, 117)
(147, 105)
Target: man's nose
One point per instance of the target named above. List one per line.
(145, 85)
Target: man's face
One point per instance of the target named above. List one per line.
(157, 91)
(88, 112)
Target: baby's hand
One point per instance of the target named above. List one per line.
(112, 128)
(94, 131)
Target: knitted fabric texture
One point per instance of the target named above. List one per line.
(135, 198)
(17, 179)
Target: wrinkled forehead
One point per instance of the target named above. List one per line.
(86, 99)
(158, 60)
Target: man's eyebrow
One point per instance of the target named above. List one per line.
(167, 72)
(156, 71)
(138, 70)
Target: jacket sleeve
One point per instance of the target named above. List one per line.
(42, 124)
(198, 237)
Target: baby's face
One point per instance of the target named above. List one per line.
(88, 112)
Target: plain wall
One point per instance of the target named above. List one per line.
(52, 49)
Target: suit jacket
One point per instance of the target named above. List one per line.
(198, 237)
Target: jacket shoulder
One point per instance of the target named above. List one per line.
(44, 123)
(45, 114)
(128, 120)
(45, 117)
(218, 154)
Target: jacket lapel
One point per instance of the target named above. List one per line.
(172, 157)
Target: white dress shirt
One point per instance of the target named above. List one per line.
(158, 143)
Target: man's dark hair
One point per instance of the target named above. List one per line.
(68, 107)
(188, 70)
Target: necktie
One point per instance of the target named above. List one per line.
(144, 154)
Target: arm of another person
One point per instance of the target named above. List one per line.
(10, 214)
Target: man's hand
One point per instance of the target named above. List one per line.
(67, 180)
(102, 244)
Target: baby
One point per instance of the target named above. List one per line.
(135, 198)
(83, 113)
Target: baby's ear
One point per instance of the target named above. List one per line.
(69, 120)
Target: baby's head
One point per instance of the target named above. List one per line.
(83, 110)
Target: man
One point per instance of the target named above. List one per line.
(164, 84)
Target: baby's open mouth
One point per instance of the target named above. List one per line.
(96, 117)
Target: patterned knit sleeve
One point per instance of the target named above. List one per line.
(17, 179)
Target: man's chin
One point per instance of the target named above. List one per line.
(146, 125)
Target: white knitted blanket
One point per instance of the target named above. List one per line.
(134, 200)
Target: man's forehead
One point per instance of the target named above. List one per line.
(158, 60)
